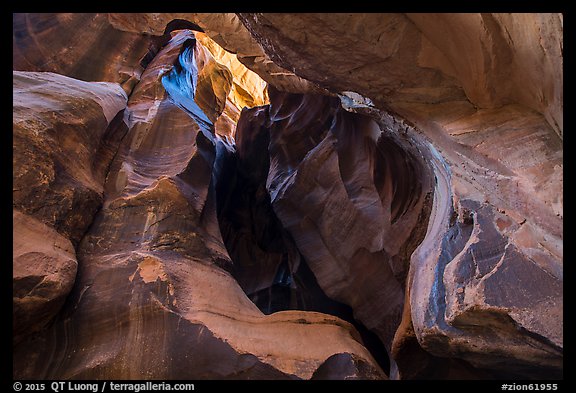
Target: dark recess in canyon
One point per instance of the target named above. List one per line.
(287, 196)
(266, 262)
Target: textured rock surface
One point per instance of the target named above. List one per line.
(43, 272)
(64, 134)
(487, 280)
(62, 147)
(497, 214)
(81, 46)
(427, 197)
(327, 167)
(227, 30)
(153, 297)
(341, 190)
(509, 58)
(491, 59)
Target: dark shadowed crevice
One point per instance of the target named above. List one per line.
(158, 42)
(266, 261)
(181, 24)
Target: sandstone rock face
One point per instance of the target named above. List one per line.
(65, 132)
(154, 297)
(182, 218)
(495, 279)
(341, 189)
(497, 199)
(44, 269)
(509, 58)
(491, 59)
(81, 46)
(227, 30)
(327, 167)
(62, 146)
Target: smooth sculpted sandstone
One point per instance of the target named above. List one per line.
(403, 168)
(264, 255)
(227, 30)
(84, 46)
(64, 134)
(154, 297)
(486, 283)
(484, 288)
(352, 192)
(488, 59)
(118, 46)
(62, 145)
(499, 58)
(43, 272)
(266, 261)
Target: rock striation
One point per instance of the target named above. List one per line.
(287, 196)
(497, 198)
(64, 135)
(81, 46)
(490, 59)
(153, 262)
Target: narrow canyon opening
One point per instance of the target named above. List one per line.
(372, 161)
(270, 196)
(266, 262)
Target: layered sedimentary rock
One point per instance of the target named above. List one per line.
(43, 272)
(154, 297)
(509, 58)
(496, 218)
(81, 46)
(406, 175)
(338, 182)
(227, 30)
(491, 59)
(487, 279)
(341, 189)
(64, 135)
(62, 147)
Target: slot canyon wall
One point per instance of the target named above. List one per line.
(287, 196)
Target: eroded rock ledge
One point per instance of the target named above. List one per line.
(176, 216)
